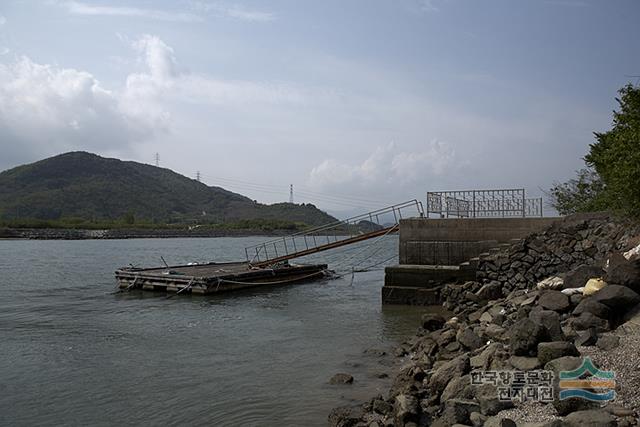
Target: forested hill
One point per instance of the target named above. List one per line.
(83, 186)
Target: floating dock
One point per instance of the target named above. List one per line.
(267, 263)
(204, 279)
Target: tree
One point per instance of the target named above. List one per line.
(616, 154)
(612, 177)
(581, 194)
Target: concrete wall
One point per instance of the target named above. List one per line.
(425, 241)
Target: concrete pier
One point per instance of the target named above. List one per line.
(438, 251)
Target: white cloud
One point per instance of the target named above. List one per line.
(3, 20)
(79, 8)
(234, 11)
(385, 168)
(49, 109)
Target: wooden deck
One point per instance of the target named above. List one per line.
(214, 277)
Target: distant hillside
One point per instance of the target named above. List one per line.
(89, 187)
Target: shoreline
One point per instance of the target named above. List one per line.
(132, 233)
(504, 321)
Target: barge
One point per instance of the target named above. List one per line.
(211, 278)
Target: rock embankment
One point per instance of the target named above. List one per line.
(504, 323)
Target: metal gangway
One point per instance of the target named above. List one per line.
(336, 234)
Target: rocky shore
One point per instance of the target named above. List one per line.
(509, 324)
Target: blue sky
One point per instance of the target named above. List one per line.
(377, 100)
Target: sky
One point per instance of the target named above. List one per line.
(356, 103)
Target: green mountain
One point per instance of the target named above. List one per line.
(83, 186)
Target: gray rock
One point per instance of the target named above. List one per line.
(564, 407)
(345, 416)
(486, 317)
(499, 421)
(477, 419)
(494, 332)
(592, 306)
(433, 321)
(524, 336)
(490, 291)
(459, 387)
(469, 339)
(617, 297)
(590, 418)
(406, 409)
(341, 379)
(608, 342)
(483, 360)
(547, 351)
(550, 320)
(454, 368)
(587, 338)
(554, 300)
(487, 396)
(623, 272)
(588, 320)
(382, 407)
(579, 276)
(523, 363)
(458, 411)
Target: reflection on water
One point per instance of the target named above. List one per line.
(73, 353)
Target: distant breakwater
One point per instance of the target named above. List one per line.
(130, 233)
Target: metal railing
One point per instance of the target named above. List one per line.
(339, 233)
(483, 203)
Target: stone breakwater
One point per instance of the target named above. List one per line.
(503, 322)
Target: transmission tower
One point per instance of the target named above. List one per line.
(157, 159)
(291, 193)
(198, 176)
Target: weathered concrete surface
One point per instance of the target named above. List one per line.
(452, 241)
(436, 251)
(425, 276)
(410, 295)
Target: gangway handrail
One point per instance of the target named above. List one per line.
(396, 210)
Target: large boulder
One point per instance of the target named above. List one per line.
(592, 306)
(459, 387)
(433, 321)
(457, 411)
(490, 404)
(453, 368)
(523, 363)
(469, 339)
(554, 300)
(345, 416)
(406, 409)
(617, 297)
(587, 321)
(590, 418)
(566, 406)
(547, 351)
(550, 320)
(621, 271)
(578, 277)
(490, 291)
(525, 335)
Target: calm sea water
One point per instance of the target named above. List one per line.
(73, 353)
